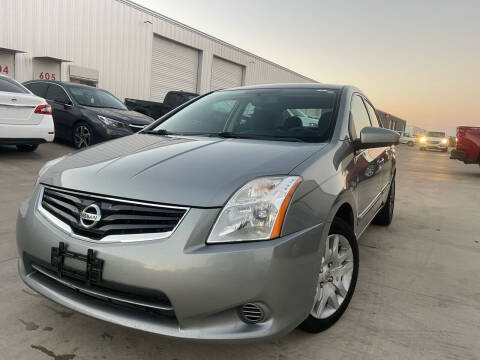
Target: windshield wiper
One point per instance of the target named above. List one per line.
(159, 132)
(230, 135)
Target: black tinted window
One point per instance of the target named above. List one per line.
(291, 114)
(90, 96)
(56, 93)
(11, 86)
(39, 89)
(358, 116)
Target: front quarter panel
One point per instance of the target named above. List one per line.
(323, 190)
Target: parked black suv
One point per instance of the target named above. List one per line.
(86, 115)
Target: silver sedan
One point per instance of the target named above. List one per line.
(227, 219)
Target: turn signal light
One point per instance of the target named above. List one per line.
(43, 109)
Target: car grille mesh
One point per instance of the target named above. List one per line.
(118, 218)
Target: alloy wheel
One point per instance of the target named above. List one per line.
(82, 136)
(335, 277)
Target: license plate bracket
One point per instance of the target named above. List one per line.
(93, 265)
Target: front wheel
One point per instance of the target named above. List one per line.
(410, 143)
(336, 279)
(82, 135)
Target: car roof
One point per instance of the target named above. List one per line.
(63, 83)
(291, 86)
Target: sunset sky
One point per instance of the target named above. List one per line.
(419, 60)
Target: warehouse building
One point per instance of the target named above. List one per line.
(123, 47)
(392, 122)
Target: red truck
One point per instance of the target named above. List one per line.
(468, 145)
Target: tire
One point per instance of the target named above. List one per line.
(445, 150)
(385, 216)
(422, 149)
(82, 135)
(410, 143)
(345, 234)
(27, 148)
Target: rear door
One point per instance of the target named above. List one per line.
(62, 110)
(17, 105)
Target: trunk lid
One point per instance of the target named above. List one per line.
(18, 109)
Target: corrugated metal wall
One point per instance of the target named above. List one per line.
(390, 121)
(115, 37)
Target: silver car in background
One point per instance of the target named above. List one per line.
(227, 219)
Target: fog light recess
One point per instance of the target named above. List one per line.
(252, 313)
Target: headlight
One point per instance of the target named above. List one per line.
(423, 139)
(444, 141)
(47, 166)
(256, 211)
(112, 123)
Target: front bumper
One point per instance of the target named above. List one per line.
(205, 285)
(457, 155)
(430, 146)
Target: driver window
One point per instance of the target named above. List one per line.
(373, 115)
(358, 117)
(56, 93)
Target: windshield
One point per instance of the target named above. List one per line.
(278, 114)
(89, 96)
(435, 134)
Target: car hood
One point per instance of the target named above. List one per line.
(189, 171)
(128, 116)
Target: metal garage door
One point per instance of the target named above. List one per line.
(225, 74)
(174, 67)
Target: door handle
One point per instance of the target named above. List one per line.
(380, 161)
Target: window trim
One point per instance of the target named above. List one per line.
(374, 110)
(351, 123)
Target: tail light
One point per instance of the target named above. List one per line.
(43, 109)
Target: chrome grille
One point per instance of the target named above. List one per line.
(118, 217)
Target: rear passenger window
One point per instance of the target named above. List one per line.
(39, 89)
(11, 86)
(358, 116)
(56, 93)
(373, 115)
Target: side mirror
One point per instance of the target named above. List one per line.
(68, 105)
(373, 137)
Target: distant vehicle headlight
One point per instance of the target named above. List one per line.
(256, 211)
(112, 123)
(444, 141)
(423, 139)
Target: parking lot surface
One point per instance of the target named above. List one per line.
(417, 297)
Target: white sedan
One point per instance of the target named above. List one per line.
(25, 119)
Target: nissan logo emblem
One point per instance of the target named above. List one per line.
(90, 216)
